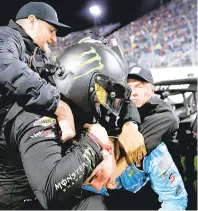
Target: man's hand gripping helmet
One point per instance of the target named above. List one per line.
(93, 74)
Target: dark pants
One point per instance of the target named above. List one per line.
(85, 200)
(144, 199)
(95, 202)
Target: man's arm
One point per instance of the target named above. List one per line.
(24, 86)
(20, 82)
(53, 174)
(158, 127)
(129, 112)
(130, 139)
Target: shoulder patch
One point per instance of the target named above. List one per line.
(44, 121)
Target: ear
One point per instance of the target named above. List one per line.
(32, 20)
(153, 89)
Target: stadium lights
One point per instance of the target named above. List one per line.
(95, 10)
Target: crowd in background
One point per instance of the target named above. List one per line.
(165, 37)
(62, 43)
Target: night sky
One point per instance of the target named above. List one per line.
(76, 14)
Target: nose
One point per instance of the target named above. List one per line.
(53, 37)
(133, 92)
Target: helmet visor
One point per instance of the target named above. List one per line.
(112, 104)
(110, 93)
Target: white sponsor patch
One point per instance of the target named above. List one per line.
(37, 134)
(135, 70)
(164, 164)
(44, 121)
(44, 133)
(172, 87)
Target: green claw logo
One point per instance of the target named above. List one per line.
(96, 57)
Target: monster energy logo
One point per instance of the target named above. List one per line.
(97, 57)
(90, 158)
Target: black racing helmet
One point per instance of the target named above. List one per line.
(93, 73)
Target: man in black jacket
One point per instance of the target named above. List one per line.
(36, 166)
(159, 124)
(36, 25)
(35, 28)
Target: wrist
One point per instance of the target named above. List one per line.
(61, 108)
(102, 146)
(58, 109)
(130, 124)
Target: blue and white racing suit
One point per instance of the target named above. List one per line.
(166, 181)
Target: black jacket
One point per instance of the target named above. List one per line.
(18, 83)
(33, 157)
(159, 123)
(34, 163)
(32, 160)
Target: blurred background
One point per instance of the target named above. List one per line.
(161, 34)
(158, 34)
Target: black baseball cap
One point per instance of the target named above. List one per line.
(45, 12)
(140, 73)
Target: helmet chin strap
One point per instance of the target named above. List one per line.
(105, 118)
(101, 113)
(96, 110)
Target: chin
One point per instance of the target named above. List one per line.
(136, 103)
(46, 49)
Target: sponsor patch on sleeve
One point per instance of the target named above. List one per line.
(45, 121)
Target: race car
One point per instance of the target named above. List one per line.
(182, 95)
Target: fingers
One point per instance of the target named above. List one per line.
(129, 159)
(99, 181)
(91, 177)
(97, 184)
(140, 153)
(144, 150)
(92, 127)
(138, 163)
(96, 180)
(136, 156)
(117, 150)
(87, 126)
(111, 184)
(132, 158)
